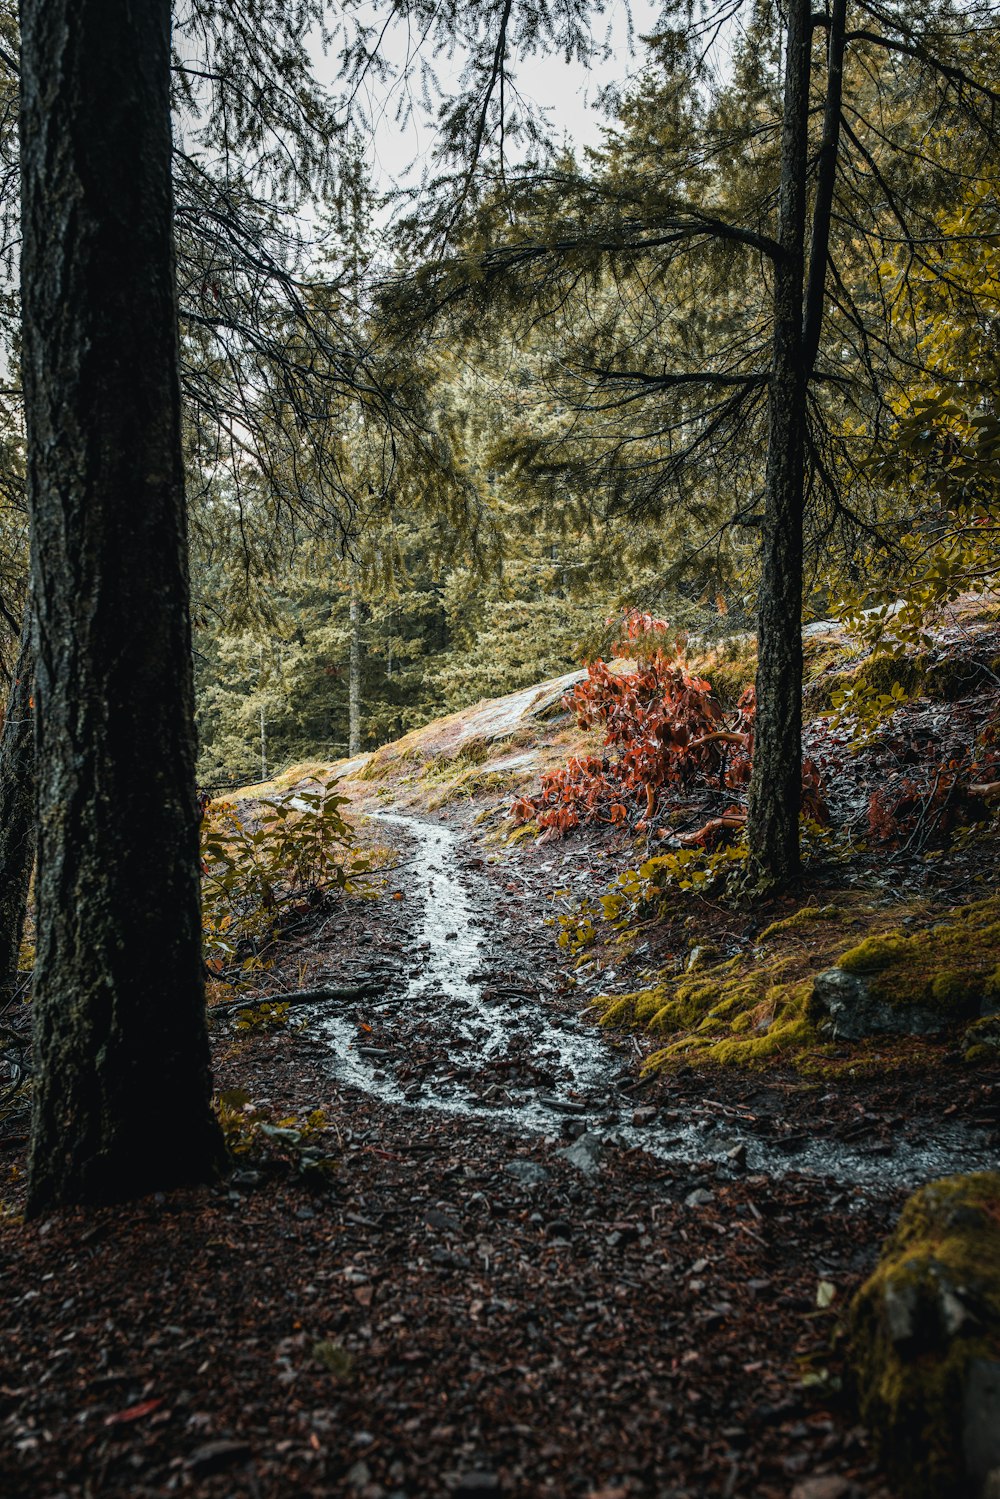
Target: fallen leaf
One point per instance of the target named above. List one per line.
(133, 1413)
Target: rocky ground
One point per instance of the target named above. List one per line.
(466, 1249)
(469, 1248)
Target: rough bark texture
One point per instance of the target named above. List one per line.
(17, 812)
(354, 676)
(776, 787)
(122, 1097)
(826, 180)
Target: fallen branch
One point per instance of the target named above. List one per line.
(327, 995)
(729, 821)
(718, 736)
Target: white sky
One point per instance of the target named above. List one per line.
(568, 91)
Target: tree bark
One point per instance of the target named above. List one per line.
(122, 1096)
(776, 784)
(826, 179)
(354, 673)
(17, 812)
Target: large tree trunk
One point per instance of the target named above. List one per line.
(122, 1094)
(354, 671)
(776, 786)
(17, 812)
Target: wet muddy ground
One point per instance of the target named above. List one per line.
(474, 1022)
(467, 1251)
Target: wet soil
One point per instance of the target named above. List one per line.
(470, 1251)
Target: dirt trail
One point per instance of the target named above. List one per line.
(467, 1253)
(474, 1027)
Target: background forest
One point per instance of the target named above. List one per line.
(594, 379)
(431, 455)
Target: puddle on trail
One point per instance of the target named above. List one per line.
(549, 1064)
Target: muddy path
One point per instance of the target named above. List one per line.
(472, 1022)
(443, 1267)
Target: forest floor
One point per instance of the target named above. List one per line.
(469, 1247)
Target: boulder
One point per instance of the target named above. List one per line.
(925, 1342)
(847, 1003)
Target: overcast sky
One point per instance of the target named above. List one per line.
(567, 91)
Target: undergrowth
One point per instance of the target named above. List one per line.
(665, 729)
(267, 861)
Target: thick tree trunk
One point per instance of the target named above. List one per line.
(354, 675)
(17, 812)
(776, 786)
(122, 1095)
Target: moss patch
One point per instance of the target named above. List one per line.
(806, 916)
(949, 968)
(722, 1014)
(925, 1334)
(758, 1007)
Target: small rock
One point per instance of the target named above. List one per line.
(528, 1173)
(900, 1304)
(586, 1153)
(824, 1486)
(477, 1486)
(216, 1457)
(737, 1157)
(981, 1419)
(444, 1221)
(699, 1198)
(644, 1116)
(562, 1105)
(854, 1012)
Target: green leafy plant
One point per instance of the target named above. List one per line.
(267, 861)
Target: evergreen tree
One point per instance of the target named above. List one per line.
(717, 279)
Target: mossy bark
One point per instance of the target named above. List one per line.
(122, 1096)
(17, 812)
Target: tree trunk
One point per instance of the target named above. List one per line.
(776, 785)
(122, 1095)
(354, 675)
(17, 812)
(263, 719)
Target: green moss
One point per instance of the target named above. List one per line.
(389, 758)
(749, 1011)
(929, 1311)
(981, 1042)
(948, 968)
(991, 988)
(722, 1014)
(872, 678)
(730, 667)
(805, 916)
(873, 953)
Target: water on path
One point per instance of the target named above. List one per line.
(447, 999)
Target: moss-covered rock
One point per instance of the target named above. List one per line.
(925, 1342)
(918, 985)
